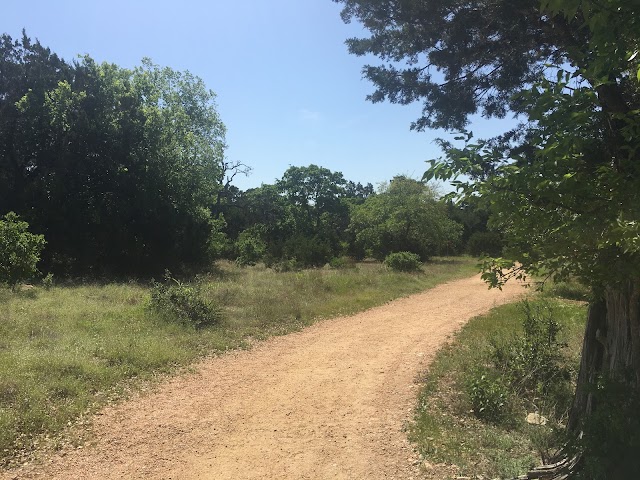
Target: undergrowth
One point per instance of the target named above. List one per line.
(517, 362)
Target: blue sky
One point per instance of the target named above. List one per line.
(288, 90)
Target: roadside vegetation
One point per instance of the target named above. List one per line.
(67, 350)
(496, 400)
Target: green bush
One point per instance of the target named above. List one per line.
(533, 362)
(489, 396)
(485, 243)
(570, 289)
(19, 250)
(176, 301)
(340, 263)
(403, 262)
(308, 251)
(251, 247)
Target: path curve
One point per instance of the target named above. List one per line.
(328, 402)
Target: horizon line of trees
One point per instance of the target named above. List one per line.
(123, 171)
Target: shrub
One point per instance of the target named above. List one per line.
(403, 262)
(570, 289)
(485, 243)
(251, 248)
(47, 281)
(489, 396)
(19, 250)
(286, 265)
(340, 263)
(533, 362)
(308, 251)
(177, 301)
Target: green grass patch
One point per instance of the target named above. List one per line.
(67, 350)
(500, 443)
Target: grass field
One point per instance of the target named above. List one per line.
(66, 351)
(446, 430)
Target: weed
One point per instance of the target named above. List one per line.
(489, 395)
(343, 262)
(175, 300)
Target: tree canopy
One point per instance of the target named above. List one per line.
(405, 216)
(116, 167)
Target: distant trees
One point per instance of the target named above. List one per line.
(123, 171)
(116, 167)
(405, 216)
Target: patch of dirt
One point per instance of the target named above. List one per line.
(329, 402)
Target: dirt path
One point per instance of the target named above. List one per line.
(329, 402)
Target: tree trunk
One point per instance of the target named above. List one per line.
(611, 346)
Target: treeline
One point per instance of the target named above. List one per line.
(124, 173)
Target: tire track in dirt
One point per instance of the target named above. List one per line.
(329, 402)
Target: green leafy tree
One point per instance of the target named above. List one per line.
(564, 187)
(405, 216)
(118, 168)
(19, 250)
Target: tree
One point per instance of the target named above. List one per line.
(19, 250)
(118, 168)
(564, 187)
(404, 216)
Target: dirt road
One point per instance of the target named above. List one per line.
(329, 402)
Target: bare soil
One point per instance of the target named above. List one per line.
(329, 402)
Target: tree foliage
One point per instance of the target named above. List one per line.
(116, 167)
(405, 216)
(19, 250)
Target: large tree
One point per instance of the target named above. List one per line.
(563, 187)
(118, 168)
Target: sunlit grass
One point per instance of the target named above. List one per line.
(68, 350)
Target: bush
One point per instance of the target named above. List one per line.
(532, 363)
(489, 396)
(251, 248)
(308, 251)
(403, 262)
(340, 263)
(19, 250)
(177, 301)
(485, 243)
(570, 289)
(286, 265)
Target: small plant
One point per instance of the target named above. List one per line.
(403, 262)
(489, 396)
(47, 281)
(286, 265)
(19, 250)
(175, 300)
